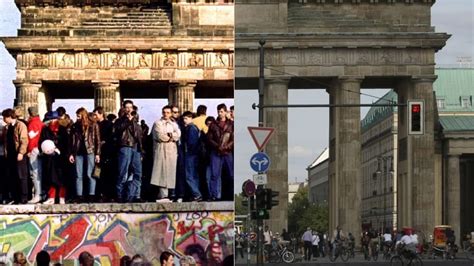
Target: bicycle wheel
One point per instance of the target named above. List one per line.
(469, 253)
(396, 261)
(375, 255)
(344, 255)
(416, 261)
(288, 257)
(332, 257)
(274, 257)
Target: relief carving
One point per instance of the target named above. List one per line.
(40, 60)
(117, 60)
(316, 58)
(220, 60)
(195, 61)
(92, 60)
(386, 58)
(67, 60)
(411, 59)
(143, 61)
(363, 58)
(169, 61)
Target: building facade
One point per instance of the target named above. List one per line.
(318, 179)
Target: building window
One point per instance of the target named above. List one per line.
(465, 103)
(374, 193)
(440, 103)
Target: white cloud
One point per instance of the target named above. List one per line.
(299, 151)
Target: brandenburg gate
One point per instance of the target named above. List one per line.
(114, 49)
(342, 46)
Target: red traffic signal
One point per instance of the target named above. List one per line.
(416, 117)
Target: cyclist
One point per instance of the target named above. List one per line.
(337, 238)
(365, 241)
(387, 238)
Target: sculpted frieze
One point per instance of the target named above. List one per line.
(336, 57)
(131, 60)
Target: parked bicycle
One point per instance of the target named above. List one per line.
(280, 253)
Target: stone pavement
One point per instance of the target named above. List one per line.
(358, 260)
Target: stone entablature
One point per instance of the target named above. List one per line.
(124, 60)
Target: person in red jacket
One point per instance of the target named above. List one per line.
(34, 130)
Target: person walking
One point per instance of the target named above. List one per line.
(165, 135)
(315, 244)
(308, 240)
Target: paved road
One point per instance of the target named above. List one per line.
(358, 260)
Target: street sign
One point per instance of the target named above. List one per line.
(260, 179)
(261, 136)
(259, 162)
(248, 187)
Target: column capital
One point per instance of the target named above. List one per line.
(105, 83)
(357, 79)
(183, 83)
(424, 78)
(24, 83)
(278, 80)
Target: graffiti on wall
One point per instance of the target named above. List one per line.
(207, 236)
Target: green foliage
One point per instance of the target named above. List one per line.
(303, 214)
(239, 208)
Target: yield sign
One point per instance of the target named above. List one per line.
(261, 136)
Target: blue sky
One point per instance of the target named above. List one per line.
(455, 17)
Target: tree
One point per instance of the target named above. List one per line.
(303, 214)
(239, 208)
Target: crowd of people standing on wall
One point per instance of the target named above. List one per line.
(101, 157)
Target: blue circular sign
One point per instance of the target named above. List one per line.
(260, 162)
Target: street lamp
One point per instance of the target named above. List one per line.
(385, 160)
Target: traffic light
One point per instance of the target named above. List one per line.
(269, 198)
(260, 199)
(246, 201)
(416, 117)
(260, 214)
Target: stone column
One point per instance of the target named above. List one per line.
(345, 182)
(453, 194)
(181, 94)
(27, 96)
(276, 92)
(416, 184)
(105, 95)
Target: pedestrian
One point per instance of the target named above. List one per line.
(165, 135)
(34, 131)
(315, 243)
(221, 141)
(239, 244)
(15, 135)
(307, 239)
(85, 152)
(267, 239)
(322, 245)
(129, 141)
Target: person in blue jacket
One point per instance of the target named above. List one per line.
(190, 140)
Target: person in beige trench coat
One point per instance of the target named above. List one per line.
(165, 154)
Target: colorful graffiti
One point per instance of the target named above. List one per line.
(208, 236)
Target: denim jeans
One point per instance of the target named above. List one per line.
(35, 173)
(192, 177)
(85, 164)
(217, 163)
(129, 165)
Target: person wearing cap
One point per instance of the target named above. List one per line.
(54, 165)
(34, 130)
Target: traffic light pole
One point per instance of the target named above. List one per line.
(261, 83)
(249, 213)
